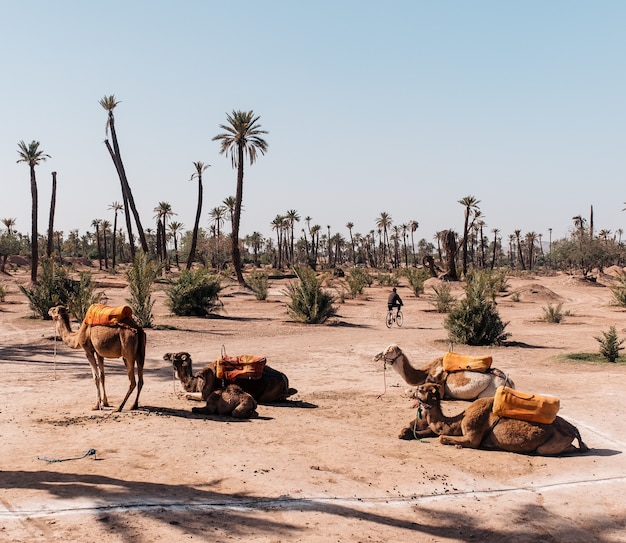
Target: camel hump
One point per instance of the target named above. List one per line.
(99, 314)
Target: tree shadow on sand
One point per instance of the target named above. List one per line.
(200, 510)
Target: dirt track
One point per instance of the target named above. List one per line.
(330, 468)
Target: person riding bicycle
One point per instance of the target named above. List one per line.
(394, 300)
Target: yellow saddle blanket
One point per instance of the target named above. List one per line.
(463, 362)
(99, 314)
(513, 404)
(246, 365)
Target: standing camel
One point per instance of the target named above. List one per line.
(126, 340)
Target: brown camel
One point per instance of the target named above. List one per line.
(126, 340)
(231, 401)
(273, 386)
(459, 385)
(478, 426)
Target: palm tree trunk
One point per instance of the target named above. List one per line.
(53, 200)
(129, 226)
(237, 219)
(34, 244)
(194, 236)
(114, 238)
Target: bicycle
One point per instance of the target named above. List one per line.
(398, 318)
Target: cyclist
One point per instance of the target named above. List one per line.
(394, 300)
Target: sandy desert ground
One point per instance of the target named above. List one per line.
(329, 467)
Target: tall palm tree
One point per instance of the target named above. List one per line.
(350, 226)
(33, 156)
(96, 224)
(292, 217)
(109, 103)
(217, 215)
(471, 206)
(531, 239)
(163, 212)
(241, 139)
(413, 226)
(229, 205)
(383, 223)
(53, 200)
(278, 225)
(200, 167)
(116, 207)
(175, 229)
(520, 254)
(495, 246)
(105, 226)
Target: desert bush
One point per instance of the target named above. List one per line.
(259, 284)
(388, 280)
(309, 303)
(610, 344)
(516, 296)
(141, 276)
(444, 300)
(619, 291)
(357, 280)
(475, 319)
(553, 314)
(52, 289)
(416, 278)
(194, 294)
(3, 293)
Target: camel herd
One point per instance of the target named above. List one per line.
(477, 426)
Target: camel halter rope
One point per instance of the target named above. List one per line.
(385, 362)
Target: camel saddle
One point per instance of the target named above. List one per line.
(463, 362)
(104, 315)
(244, 366)
(514, 404)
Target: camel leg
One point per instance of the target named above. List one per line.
(471, 441)
(96, 377)
(130, 370)
(139, 382)
(105, 400)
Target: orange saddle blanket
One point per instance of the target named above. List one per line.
(99, 314)
(246, 365)
(463, 362)
(514, 404)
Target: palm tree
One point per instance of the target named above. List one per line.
(175, 229)
(520, 254)
(413, 226)
(53, 200)
(292, 217)
(495, 231)
(162, 213)
(229, 204)
(277, 225)
(116, 207)
(242, 137)
(109, 103)
(33, 156)
(531, 239)
(350, 226)
(105, 226)
(471, 206)
(383, 222)
(9, 223)
(200, 168)
(96, 224)
(255, 240)
(217, 219)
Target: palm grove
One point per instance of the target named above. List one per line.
(218, 244)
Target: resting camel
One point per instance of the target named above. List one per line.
(126, 340)
(273, 386)
(478, 426)
(231, 401)
(459, 385)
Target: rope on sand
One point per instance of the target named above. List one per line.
(90, 452)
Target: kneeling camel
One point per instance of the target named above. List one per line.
(478, 426)
(231, 401)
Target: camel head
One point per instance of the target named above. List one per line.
(182, 364)
(389, 355)
(60, 313)
(429, 394)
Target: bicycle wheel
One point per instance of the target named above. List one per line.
(389, 319)
(399, 318)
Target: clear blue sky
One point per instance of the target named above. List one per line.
(396, 106)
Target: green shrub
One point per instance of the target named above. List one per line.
(416, 279)
(610, 344)
(81, 295)
(194, 294)
(357, 280)
(475, 320)
(553, 314)
(259, 284)
(444, 300)
(3, 293)
(141, 276)
(52, 289)
(388, 280)
(309, 303)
